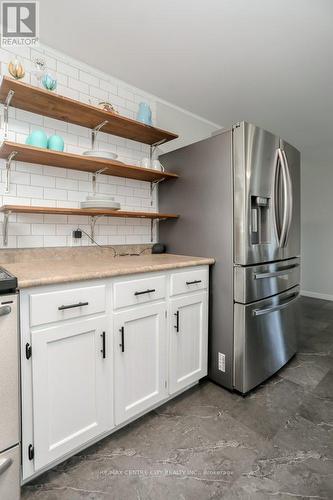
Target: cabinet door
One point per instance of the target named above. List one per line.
(188, 340)
(140, 359)
(71, 381)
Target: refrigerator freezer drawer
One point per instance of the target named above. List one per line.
(264, 338)
(257, 282)
(10, 474)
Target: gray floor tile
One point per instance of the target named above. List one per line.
(209, 443)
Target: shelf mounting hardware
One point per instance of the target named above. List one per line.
(5, 227)
(153, 147)
(152, 227)
(95, 131)
(153, 185)
(5, 112)
(95, 176)
(9, 160)
(93, 220)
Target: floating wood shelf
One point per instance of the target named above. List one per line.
(92, 212)
(72, 161)
(44, 102)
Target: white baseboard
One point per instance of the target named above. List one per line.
(317, 295)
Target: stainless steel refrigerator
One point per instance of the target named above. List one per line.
(238, 197)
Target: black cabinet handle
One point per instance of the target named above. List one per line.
(103, 346)
(177, 321)
(145, 291)
(193, 282)
(122, 345)
(31, 453)
(72, 306)
(28, 350)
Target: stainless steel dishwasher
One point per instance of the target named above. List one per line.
(9, 390)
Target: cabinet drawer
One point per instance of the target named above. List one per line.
(189, 281)
(66, 304)
(133, 292)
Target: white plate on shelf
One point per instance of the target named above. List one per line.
(99, 197)
(107, 155)
(109, 205)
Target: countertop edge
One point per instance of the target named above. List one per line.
(91, 275)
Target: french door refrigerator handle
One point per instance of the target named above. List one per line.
(289, 198)
(278, 307)
(275, 196)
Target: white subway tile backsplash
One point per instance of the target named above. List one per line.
(55, 194)
(38, 185)
(29, 191)
(48, 229)
(68, 70)
(66, 183)
(88, 78)
(42, 180)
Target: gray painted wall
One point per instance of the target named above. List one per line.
(317, 229)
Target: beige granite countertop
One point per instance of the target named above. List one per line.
(50, 270)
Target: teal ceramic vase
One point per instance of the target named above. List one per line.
(144, 113)
(49, 83)
(37, 138)
(56, 143)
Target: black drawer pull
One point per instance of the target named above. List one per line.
(103, 351)
(122, 345)
(145, 291)
(72, 306)
(177, 322)
(193, 282)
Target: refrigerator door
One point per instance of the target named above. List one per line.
(264, 338)
(266, 196)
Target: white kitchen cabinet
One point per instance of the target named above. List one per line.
(71, 394)
(71, 386)
(188, 329)
(140, 359)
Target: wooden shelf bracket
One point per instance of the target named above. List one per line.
(9, 160)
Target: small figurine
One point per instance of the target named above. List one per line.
(40, 68)
(49, 83)
(107, 106)
(16, 69)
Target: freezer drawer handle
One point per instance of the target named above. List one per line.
(145, 291)
(5, 310)
(268, 310)
(4, 464)
(72, 306)
(274, 274)
(193, 282)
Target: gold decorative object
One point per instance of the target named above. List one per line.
(16, 69)
(107, 106)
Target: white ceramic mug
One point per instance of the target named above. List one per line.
(145, 162)
(157, 165)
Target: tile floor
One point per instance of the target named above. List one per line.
(276, 443)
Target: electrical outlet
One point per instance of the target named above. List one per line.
(221, 362)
